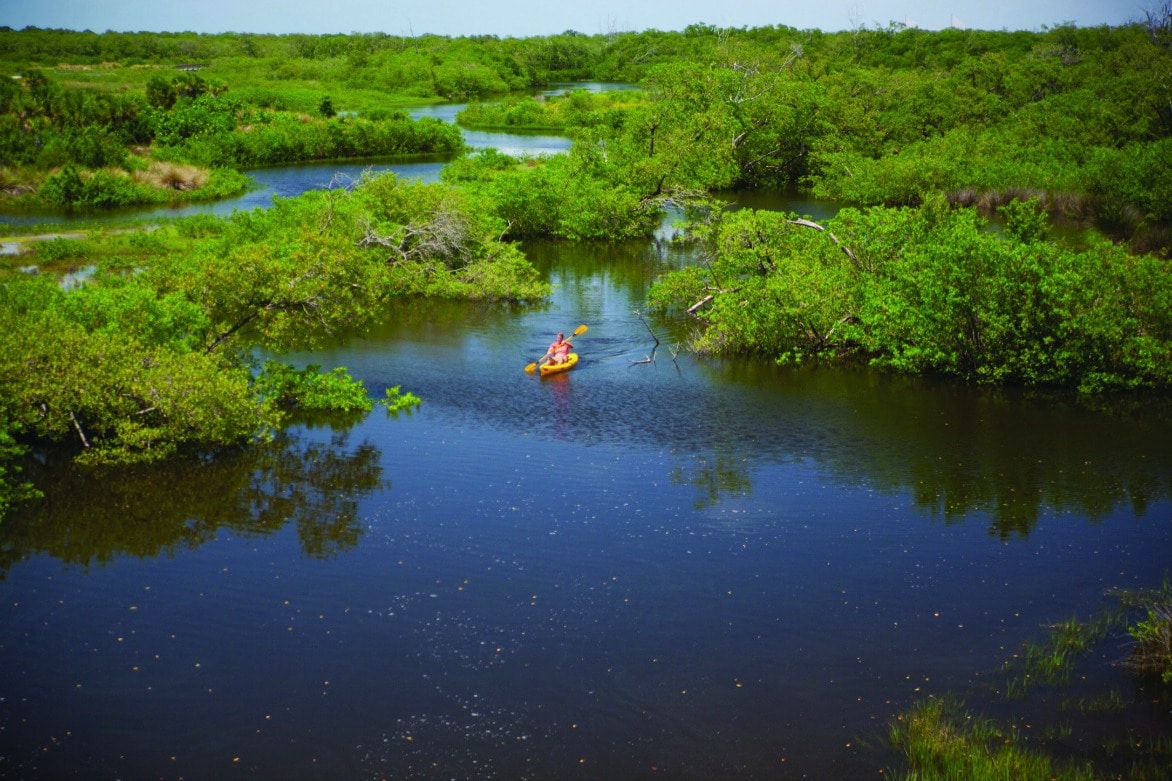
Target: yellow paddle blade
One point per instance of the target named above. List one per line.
(581, 330)
(531, 368)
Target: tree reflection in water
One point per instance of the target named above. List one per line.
(91, 516)
(1006, 454)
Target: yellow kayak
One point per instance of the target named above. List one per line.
(570, 362)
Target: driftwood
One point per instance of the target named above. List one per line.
(700, 304)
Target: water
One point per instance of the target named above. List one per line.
(676, 568)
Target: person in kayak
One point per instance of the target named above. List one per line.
(559, 350)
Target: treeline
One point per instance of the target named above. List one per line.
(1081, 117)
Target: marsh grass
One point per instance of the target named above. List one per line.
(1074, 206)
(173, 176)
(1151, 635)
(15, 182)
(938, 739)
(1051, 661)
(120, 249)
(1085, 735)
(1152, 649)
(1112, 702)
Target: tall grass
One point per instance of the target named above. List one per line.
(1152, 651)
(173, 176)
(941, 742)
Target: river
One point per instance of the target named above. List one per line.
(653, 566)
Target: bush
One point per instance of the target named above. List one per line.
(312, 390)
(58, 248)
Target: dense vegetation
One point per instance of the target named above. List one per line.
(929, 136)
(133, 367)
(932, 290)
(871, 116)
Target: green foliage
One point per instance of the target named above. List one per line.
(206, 115)
(161, 93)
(311, 389)
(126, 391)
(576, 108)
(280, 138)
(110, 188)
(59, 248)
(933, 290)
(101, 189)
(82, 141)
(570, 196)
(884, 116)
(1137, 175)
(122, 307)
(783, 288)
(12, 488)
(199, 226)
(1025, 221)
(397, 401)
(136, 367)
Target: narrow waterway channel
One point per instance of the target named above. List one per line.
(653, 566)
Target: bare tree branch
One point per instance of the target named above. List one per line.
(446, 236)
(85, 442)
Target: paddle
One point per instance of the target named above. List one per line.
(577, 332)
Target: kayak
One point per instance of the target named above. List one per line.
(570, 362)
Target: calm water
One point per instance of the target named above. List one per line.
(679, 569)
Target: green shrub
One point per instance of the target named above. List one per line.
(313, 390)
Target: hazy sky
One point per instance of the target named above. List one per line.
(521, 18)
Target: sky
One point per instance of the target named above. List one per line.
(522, 18)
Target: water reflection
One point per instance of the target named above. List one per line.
(959, 452)
(90, 517)
(1005, 456)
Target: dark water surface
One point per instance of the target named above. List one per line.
(679, 569)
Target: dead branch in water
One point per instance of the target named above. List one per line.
(85, 442)
(706, 299)
(651, 358)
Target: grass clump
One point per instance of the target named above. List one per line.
(939, 740)
(1152, 651)
(173, 176)
(1050, 662)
